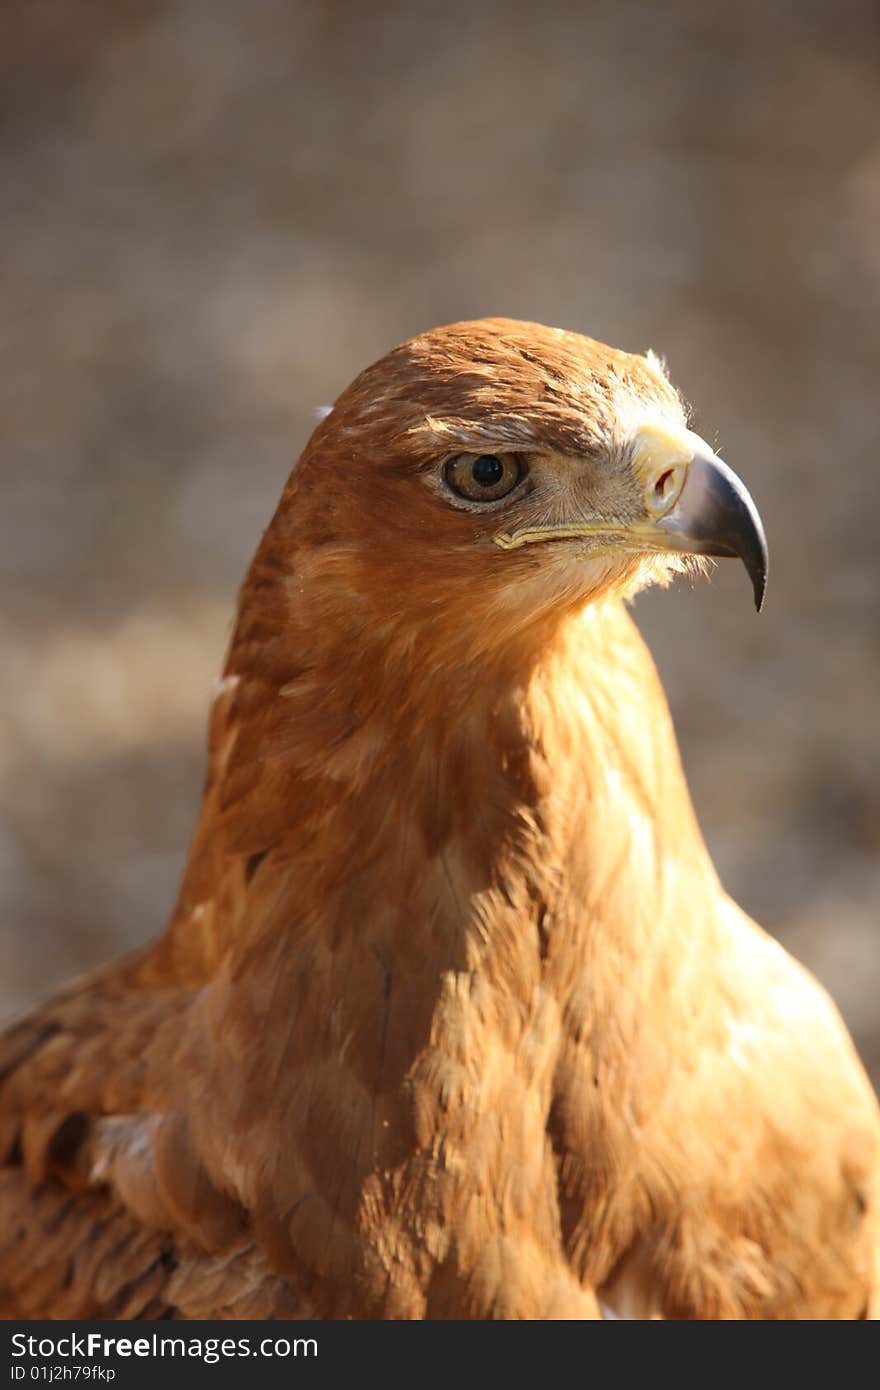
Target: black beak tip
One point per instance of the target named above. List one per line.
(760, 587)
(755, 558)
(758, 576)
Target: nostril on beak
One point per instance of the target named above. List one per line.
(663, 486)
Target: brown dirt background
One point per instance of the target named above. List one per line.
(214, 213)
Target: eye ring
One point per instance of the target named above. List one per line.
(484, 477)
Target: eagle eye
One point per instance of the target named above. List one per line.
(484, 477)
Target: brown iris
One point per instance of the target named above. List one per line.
(484, 477)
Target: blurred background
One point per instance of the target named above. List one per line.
(214, 213)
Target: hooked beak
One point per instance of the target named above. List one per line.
(693, 504)
(699, 505)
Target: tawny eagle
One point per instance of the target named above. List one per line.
(453, 1017)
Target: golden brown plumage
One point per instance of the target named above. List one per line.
(452, 1017)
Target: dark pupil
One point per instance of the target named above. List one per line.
(487, 470)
